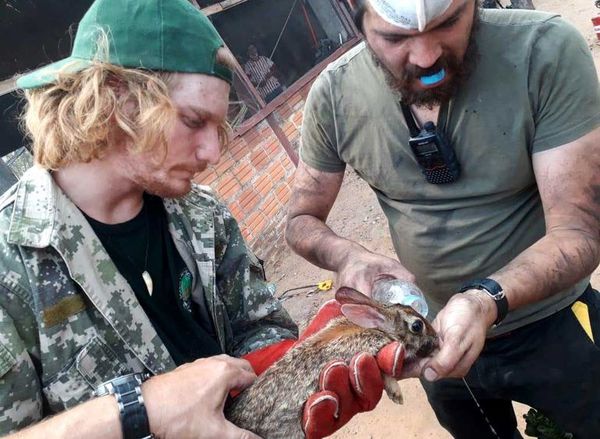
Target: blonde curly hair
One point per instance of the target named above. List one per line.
(79, 116)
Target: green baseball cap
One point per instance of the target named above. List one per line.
(163, 35)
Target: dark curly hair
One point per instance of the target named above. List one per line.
(359, 13)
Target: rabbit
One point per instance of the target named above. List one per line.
(272, 406)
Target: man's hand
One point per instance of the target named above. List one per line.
(461, 326)
(188, 402)
(348, 389)
(360, 270)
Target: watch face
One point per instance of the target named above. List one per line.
(108, 387)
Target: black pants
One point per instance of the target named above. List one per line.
(551, 365)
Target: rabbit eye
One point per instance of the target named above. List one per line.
(416, 327)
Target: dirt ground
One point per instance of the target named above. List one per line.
(357, 215)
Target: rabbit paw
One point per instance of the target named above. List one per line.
(392, 388)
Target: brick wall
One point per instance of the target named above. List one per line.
(255, 174)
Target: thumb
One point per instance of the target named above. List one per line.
(240, 380)
(235, 384)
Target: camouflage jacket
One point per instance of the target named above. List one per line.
(69, 320)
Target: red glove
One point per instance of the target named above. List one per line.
(345, 389)
(261, 359)
(349, 389)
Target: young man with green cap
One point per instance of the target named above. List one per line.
(484, 157)
(115, 267)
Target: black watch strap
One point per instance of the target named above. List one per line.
(495, 291)
(132, 410)
(134, 419)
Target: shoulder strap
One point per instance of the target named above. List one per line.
(410, 120)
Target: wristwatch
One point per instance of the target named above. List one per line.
(494, 290)
(132, 411)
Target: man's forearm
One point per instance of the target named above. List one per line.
(97, 418)
(312, 239)
(554, 263)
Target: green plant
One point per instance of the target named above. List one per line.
(541, 427)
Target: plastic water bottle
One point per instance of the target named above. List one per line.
(393, 291)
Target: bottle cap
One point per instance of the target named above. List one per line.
(396, 291)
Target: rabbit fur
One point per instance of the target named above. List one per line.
(272, 406)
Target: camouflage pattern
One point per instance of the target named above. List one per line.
(19, 161)
(69, 320)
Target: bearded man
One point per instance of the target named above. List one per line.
(479, 132)
(127, 291)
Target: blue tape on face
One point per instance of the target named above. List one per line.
(433, 79)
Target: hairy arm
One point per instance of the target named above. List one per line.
(313, 195)
(569, 185)
(568, 178)
(186, 402)
(97, 418)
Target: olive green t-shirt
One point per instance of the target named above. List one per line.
(534, 88)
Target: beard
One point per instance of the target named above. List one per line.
(154, 180)
(458, 69)
(165, 188)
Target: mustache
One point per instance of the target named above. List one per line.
(412, 71)
(458, 68)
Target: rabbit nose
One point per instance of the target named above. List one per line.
(427, 348)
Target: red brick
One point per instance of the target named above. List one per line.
(207, 177)
(264, 185)
(244, 172)
(288, 165)
(277, 172)
(266, 131)
(252, 134)
(248, 200)
(240, 153)
(228, 186)
(231, 194)
(283, 194)
(285, 111)
(257, 142)
(235, 144)
(273, 147)
(293, 135)
(297, 119)
(259, 159)
(238, 150)
(256, 223)
(224, 164)
(246, 234)
(287, 127)
(236, 210)
(295, 99)
(271, 207)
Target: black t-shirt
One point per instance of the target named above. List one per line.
(144, 243)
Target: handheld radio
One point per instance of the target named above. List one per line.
(433, 152)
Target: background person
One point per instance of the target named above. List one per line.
(262, 72)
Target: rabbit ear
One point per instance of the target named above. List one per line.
(350, 295)
(366, 316)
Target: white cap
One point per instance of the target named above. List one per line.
(410, 14)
